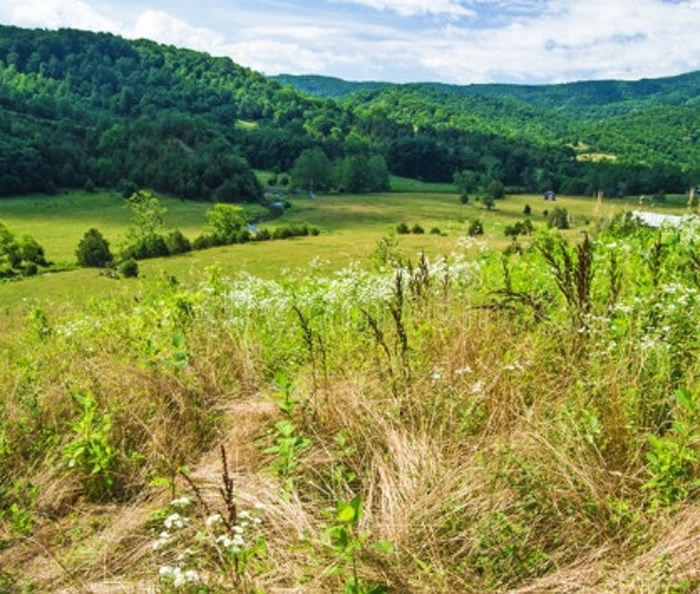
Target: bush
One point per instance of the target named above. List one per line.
(475, 228)
(148, 246)
(93, 250)
(417, 229)
(129, 268)
(520, 228)
(177, 243)
(315, 231)
(527, 210)
(202, 242)
(402, 229)
(30, 269)
(262, 234)
(435, 231)
(89, 185)
(558, 218)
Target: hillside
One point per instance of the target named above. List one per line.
(683, 89)
(85, 110)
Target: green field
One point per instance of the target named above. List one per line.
(351, 226)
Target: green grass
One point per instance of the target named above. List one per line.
(405, 184)
(351, 226)
(58, 222)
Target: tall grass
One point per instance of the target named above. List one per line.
(523, 423)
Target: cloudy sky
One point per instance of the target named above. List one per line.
(458, 41)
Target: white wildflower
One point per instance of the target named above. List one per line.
(213, 520)
(173, 521)
(183, 501)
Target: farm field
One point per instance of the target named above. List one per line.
(351, 226)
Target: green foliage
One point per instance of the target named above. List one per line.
(288, 448)
(93, 250)
(312, 170)
(673, 458)
(402, 229)
(520, 228)
(129, 268)
(495, 189)
(527, 211)
(417, 229)
(177, 243)
(147, 214)
(90, 451)
(19, 257)
(226, 221)
(347, 541)
(476, 227)
(558, 218)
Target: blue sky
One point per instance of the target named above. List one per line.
(457, 41)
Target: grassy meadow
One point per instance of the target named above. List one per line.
(338, 420)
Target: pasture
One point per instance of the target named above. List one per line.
(351, 226)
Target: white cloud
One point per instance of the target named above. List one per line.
(77, 14)
(452, 8)
(530, 41)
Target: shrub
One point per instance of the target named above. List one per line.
(417, 229)
(315, 231)
(129, 268)
(402, 229)
(527, 211)
(177, 243)
(93, 250)
(202, 242)
(558, 218)
(475, 228)
(89, 185)
(262, 234)
(148, 246)
(126, 188)
(30, 269)
(435, 231)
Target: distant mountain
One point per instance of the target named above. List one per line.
(680, 90)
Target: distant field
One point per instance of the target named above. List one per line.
(351, 226)
(58, 222)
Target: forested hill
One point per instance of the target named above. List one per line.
(675, 90)
(80, 109)
(328, 86)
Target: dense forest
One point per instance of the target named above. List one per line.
(81, 109)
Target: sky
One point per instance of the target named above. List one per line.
(453, 41)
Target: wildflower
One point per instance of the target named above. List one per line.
(464, 370)
(183, 501)
(173, 521)
(213, 520)
(478, 387)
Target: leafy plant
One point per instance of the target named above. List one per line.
(287, 449)
(347, 541)
(673, 458)
(90, 452)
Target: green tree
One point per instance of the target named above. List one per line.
(147, 214)
(226, 221)
(93, 250)
(466, 181)
(495, 189)
(312, 170)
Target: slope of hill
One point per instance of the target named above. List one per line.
(80, 109)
